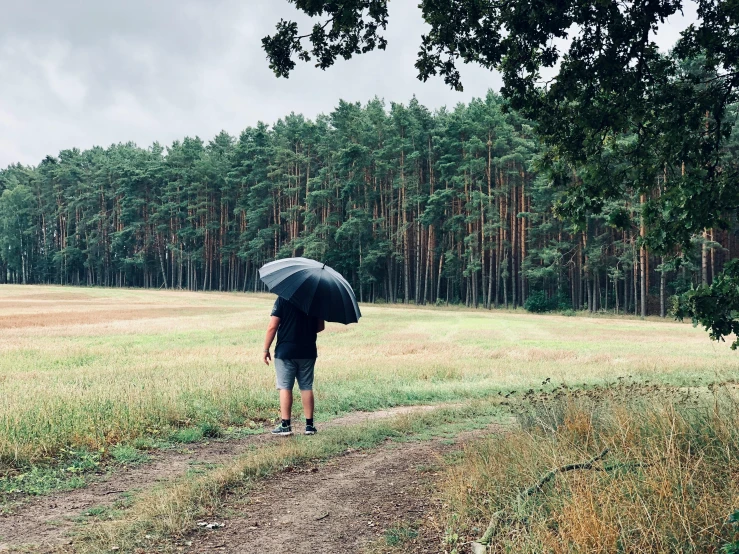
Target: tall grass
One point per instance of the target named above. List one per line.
(90, 368)
(669, 481)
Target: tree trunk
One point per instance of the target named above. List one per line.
(643, 263)
(514, 247)
(662, 286)
(636, 276)
(524, 223)
(161, 260)
(406, 248)
(438, 279)
(710, 276)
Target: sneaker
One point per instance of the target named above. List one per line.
(282, 431)
(310, 430)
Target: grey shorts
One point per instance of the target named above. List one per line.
(289, 370)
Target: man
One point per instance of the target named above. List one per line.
(295, 358)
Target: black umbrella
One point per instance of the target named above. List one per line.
(313, 287)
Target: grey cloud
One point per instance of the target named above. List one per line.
(80, 73)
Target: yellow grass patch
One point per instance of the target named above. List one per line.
(668, 482)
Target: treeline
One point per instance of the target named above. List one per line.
(410, 205)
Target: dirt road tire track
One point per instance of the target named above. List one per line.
(335, 508)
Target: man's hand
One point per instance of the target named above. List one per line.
(274, 323)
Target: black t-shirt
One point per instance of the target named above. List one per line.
(297, 333)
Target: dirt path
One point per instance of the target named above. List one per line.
(335, 508)
(46, 521)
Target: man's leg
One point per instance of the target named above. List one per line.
(307, 396)
(285, 377)
(286, 403)
(305, 382)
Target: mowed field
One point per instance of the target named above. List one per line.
(89, 368)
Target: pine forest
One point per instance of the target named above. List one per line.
(411, 205)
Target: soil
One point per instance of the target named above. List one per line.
(335, 508)
(46, 521)
(343, 506)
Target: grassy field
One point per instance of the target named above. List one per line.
(95, 376)
(92, 368)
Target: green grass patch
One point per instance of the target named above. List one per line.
(125, 500)
(400, 534)
(211, 430)
(37, 480)
(124, 454)
(188, 435)
(98, 513)
(68, 473)
(75, 470)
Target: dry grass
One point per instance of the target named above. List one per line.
(668, 483)
(93, 367)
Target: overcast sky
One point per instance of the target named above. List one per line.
(78, 73)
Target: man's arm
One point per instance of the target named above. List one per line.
(274, 323)
(321, 326)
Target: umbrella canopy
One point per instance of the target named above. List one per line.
(313, 287)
